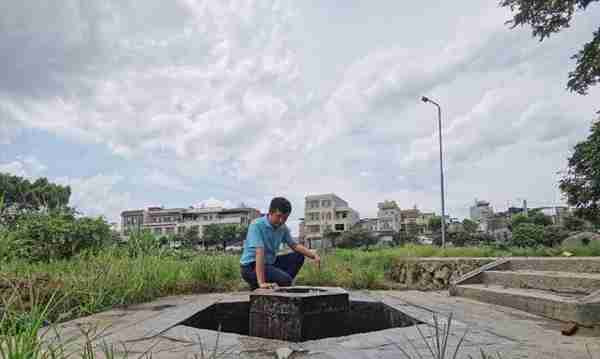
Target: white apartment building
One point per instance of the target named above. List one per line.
(325, 212)
(388, 217)
(161, 221)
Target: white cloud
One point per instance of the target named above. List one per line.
(218, 92)
(24, 166)
(213, 202)
(164, 180)
(98, 195)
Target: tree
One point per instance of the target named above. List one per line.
(230, 233)
(470, 226)
(212, 234)
(581, 183)
(548, 17)
(573, 223)
(190, 236)
(554, 235)
(458, 239)
(528, 235)
(57, 235)
(518, 219)
(435, 223)
(541, 219)
(21, 195)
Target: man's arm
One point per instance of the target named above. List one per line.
(306, 252)
(260, 268)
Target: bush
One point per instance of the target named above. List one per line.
(356, 237)
(528, 235)
(459, 239)
(573, 223)
(554, 235)
(55, 235)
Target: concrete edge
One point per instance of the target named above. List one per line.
(587, 310)
(476, 274)
(593, 297)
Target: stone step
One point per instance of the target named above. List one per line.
(553, 281)
(544, 303)
(557, 264)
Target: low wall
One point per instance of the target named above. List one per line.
(432, 272)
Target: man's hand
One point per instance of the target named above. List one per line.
(317, 259)
(268, 286)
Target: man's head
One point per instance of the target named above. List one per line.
(279, 210)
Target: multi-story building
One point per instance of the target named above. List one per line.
(481, 210)
(413, 221)
(326, 212)
(170, 221)
(132, 221)
(388, 217)
(369, 224)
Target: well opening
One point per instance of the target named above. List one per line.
(296, 315)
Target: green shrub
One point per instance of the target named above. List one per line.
(56, 235)
(528, 235)
(554, 235)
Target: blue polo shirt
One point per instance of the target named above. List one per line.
(261, 234)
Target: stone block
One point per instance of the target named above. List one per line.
(296, 313)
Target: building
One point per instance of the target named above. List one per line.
(556, 213)
(369, 224)
(481, 210)
(388, 217)
(413, 221)
(170, 221)
(323, 213)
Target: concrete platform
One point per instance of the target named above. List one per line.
(154, 327)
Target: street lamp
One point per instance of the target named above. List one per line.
(425, 99)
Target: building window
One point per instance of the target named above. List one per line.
(329, 216)
(180, 230)
(339, 227)
(170, 230)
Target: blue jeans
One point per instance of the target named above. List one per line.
(282, 272)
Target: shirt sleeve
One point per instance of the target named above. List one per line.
(287, 237)
(254, 237)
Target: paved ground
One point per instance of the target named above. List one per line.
(152, 327)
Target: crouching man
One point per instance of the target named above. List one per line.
(260, 266)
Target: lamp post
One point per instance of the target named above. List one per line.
(426, 99)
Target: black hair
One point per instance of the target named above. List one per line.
(279, 203)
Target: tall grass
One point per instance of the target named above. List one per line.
(95, 283)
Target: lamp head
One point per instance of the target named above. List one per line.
(424, 99)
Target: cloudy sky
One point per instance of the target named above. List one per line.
(137, 103)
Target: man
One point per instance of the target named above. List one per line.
(260, 265)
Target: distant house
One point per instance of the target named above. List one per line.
(169, 221)
(326, 213)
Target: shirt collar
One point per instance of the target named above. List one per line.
(267, 223)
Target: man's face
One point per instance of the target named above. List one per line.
(277, 218)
